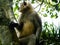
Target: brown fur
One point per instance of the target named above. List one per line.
(28, 27)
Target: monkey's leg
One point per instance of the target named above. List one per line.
(32, 40)
(24, 41)
(29, 40)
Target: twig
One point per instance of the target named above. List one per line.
(39, 5)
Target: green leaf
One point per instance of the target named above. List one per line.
(15, 8)
(59, 33)
(18, 0)
(45, 15)
(16, 16)
(54, 1)
(54, 16)
(33, 1)
(40, 0)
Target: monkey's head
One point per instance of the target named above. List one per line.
(25, 7)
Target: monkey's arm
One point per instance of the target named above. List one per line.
(16, 25)
(38, 25)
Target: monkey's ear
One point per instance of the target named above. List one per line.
(25, 3)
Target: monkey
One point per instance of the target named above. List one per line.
(29, 26)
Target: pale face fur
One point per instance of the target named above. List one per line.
(26, 7)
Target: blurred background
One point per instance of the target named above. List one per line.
(48, 10)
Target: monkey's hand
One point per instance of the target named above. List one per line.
(16, 25)
(20, 26)
(12, 25)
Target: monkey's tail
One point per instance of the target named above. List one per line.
(38, 34)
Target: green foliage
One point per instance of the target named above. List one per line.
(45, 15)
(0, 41)
(54, 1)
(40, 0)
(33, 1)
(16, 7)
(54, 16)
(59, 33)
(50, 34)
(16, 15)
(59, 7)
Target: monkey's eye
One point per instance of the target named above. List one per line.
(25, 3)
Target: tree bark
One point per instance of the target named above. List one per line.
(6, 15)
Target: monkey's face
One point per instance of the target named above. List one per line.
(25, 6)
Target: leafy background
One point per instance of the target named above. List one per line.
(48, 10)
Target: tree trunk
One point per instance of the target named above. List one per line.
(6, 15)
